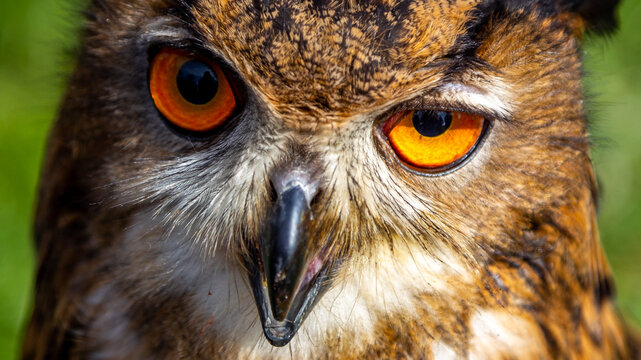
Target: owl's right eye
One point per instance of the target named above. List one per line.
(191, 91)
(434, 140)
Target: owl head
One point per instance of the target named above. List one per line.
(269, 162)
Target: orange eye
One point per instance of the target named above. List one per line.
(433, 139)
(190, 90)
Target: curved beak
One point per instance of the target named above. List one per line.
(283, 249)
(286, 275)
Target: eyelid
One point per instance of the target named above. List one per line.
(166, 32)
(459, 97)
(493, 102)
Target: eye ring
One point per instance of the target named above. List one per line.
(386, 145)
(194, 94)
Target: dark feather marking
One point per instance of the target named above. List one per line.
(183, 10)
(605, 289)
(550, 339)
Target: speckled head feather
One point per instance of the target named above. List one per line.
(155, 243)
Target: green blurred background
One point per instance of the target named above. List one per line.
(34, 37)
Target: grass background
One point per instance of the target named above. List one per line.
(34, 34)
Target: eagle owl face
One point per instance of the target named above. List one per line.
(385, 178)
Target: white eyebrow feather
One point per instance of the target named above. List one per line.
(494, 98)
(164, 28)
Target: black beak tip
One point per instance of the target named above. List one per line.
(280, 335)
(280, 332)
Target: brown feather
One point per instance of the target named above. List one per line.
(141, 231)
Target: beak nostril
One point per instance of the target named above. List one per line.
(315, 198)
(271, 192)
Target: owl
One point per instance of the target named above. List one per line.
(324, 179)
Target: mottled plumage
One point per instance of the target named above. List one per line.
(148, 238)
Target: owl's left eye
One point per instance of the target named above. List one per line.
(191, 91)
(434, 140)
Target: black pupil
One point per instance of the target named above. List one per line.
(197, 82)
(431, 123)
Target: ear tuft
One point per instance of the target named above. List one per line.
(599, 15)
